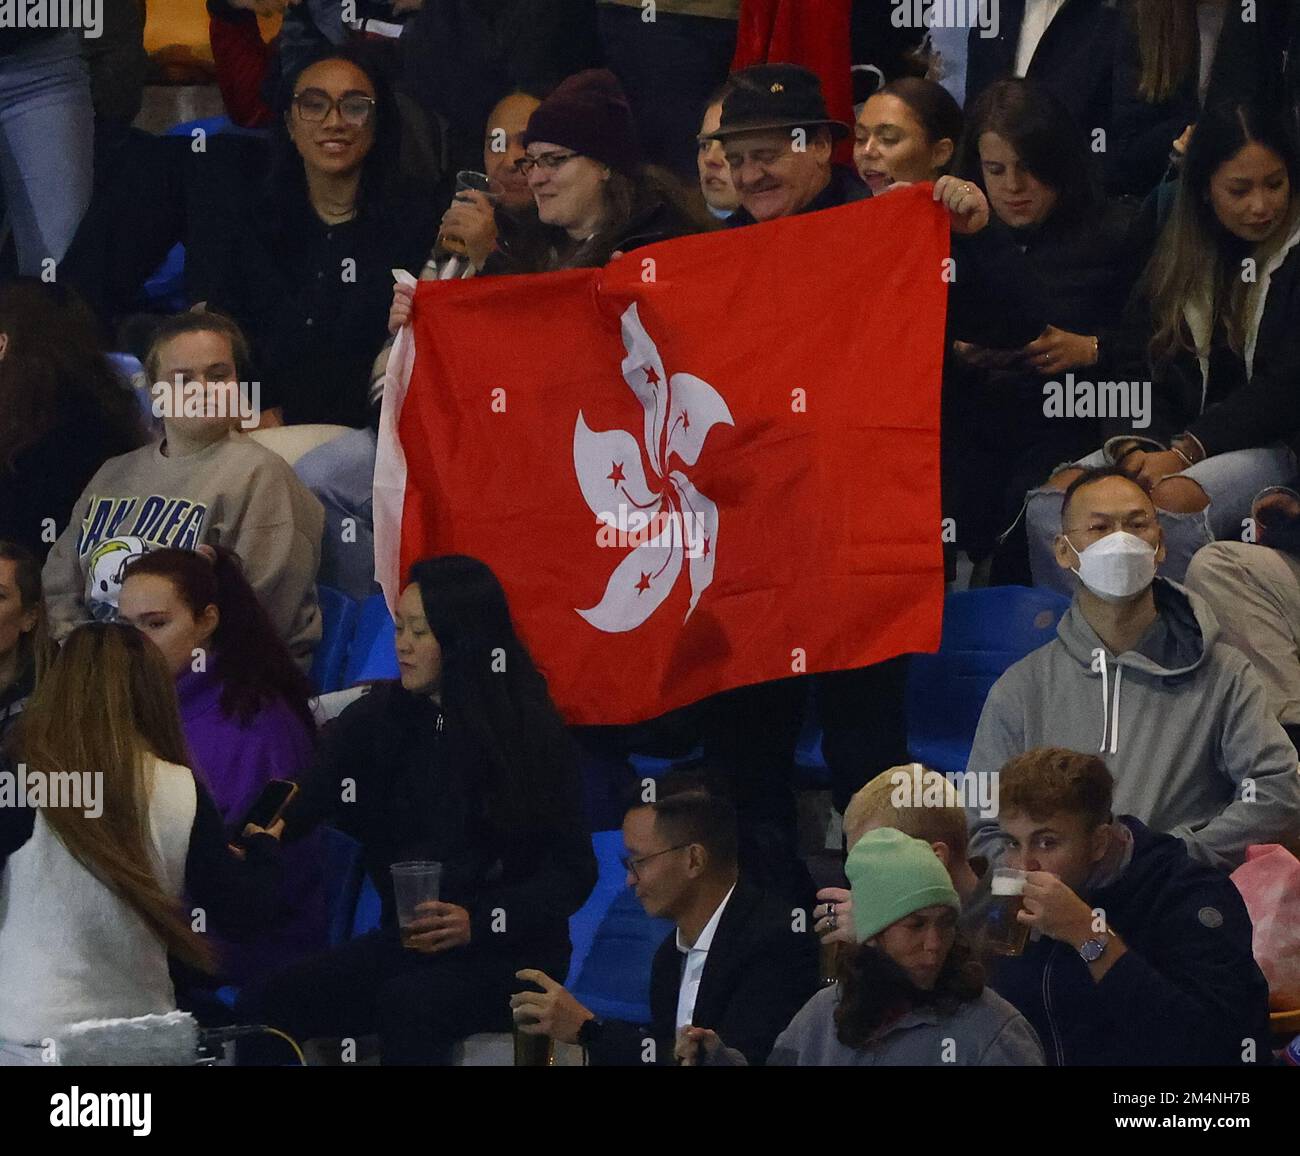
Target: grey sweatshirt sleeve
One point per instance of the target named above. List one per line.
(1256, 755)
(278, 538)
(999, 737)
(1016, 1045)
(62, 579)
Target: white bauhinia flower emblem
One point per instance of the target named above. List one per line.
(664, 512)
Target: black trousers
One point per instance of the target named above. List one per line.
(420, 1005)
(668, 68)
(751, 734)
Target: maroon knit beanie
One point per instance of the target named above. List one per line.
(588, 113)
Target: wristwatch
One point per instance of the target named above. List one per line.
(1090, 950)
(590, 1032)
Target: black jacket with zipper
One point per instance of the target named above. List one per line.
(1187, 991)
(401, 780)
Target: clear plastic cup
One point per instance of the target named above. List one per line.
(414, 882)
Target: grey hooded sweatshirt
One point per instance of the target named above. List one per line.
(1182, 720)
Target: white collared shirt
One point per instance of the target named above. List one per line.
(1038, 15)
(693, 969)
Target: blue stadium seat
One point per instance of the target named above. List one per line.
(985, 631)
(614, 941)
(342, 874)
(372, 656)
(338, 624)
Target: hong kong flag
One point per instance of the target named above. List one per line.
(714, 462)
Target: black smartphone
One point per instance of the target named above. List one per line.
(268, 805)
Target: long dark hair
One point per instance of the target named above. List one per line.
(286, 187)
(36, 649)
(54, 369)
(539, 248)
(1196, 257)
(250, 661)
(874, 990)
(494, 694)
(1035, 122)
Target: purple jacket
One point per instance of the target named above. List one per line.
(236, 761)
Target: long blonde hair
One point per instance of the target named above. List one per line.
(1193, 263)
(108, 704)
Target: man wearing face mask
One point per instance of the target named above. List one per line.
(1137, 673)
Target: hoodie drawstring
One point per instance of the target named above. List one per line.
(1114, 710)
(1109, 706)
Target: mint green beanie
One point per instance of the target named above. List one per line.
(892, 875)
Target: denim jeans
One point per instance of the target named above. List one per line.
(1230, 481)
(341, 473)
(47, 147)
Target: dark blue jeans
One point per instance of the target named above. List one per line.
(47, 147)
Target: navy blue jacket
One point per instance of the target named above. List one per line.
(1187, 991)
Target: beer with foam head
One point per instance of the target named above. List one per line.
(1004, 934)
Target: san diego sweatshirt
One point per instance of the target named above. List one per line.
(234, 493)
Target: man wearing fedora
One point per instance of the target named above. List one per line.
(778, 138)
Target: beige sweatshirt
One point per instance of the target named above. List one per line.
(235, 493)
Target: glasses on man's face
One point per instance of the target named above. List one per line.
(549, 161)
(632, 864)
(315, 104)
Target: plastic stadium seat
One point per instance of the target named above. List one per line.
(342, 873)
(985, 631)
(655, 766)
(338, 624)
(127, 365)
(372, 656)
(614, 941)
(211, 125)
(369, 908)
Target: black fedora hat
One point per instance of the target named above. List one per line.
(771, 96)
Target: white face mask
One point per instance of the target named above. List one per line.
(1116, 567)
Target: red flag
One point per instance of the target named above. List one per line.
(713, 462)
(816, 35)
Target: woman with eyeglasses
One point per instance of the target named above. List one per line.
(592, 196)
(307, 273)
(464, 762)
